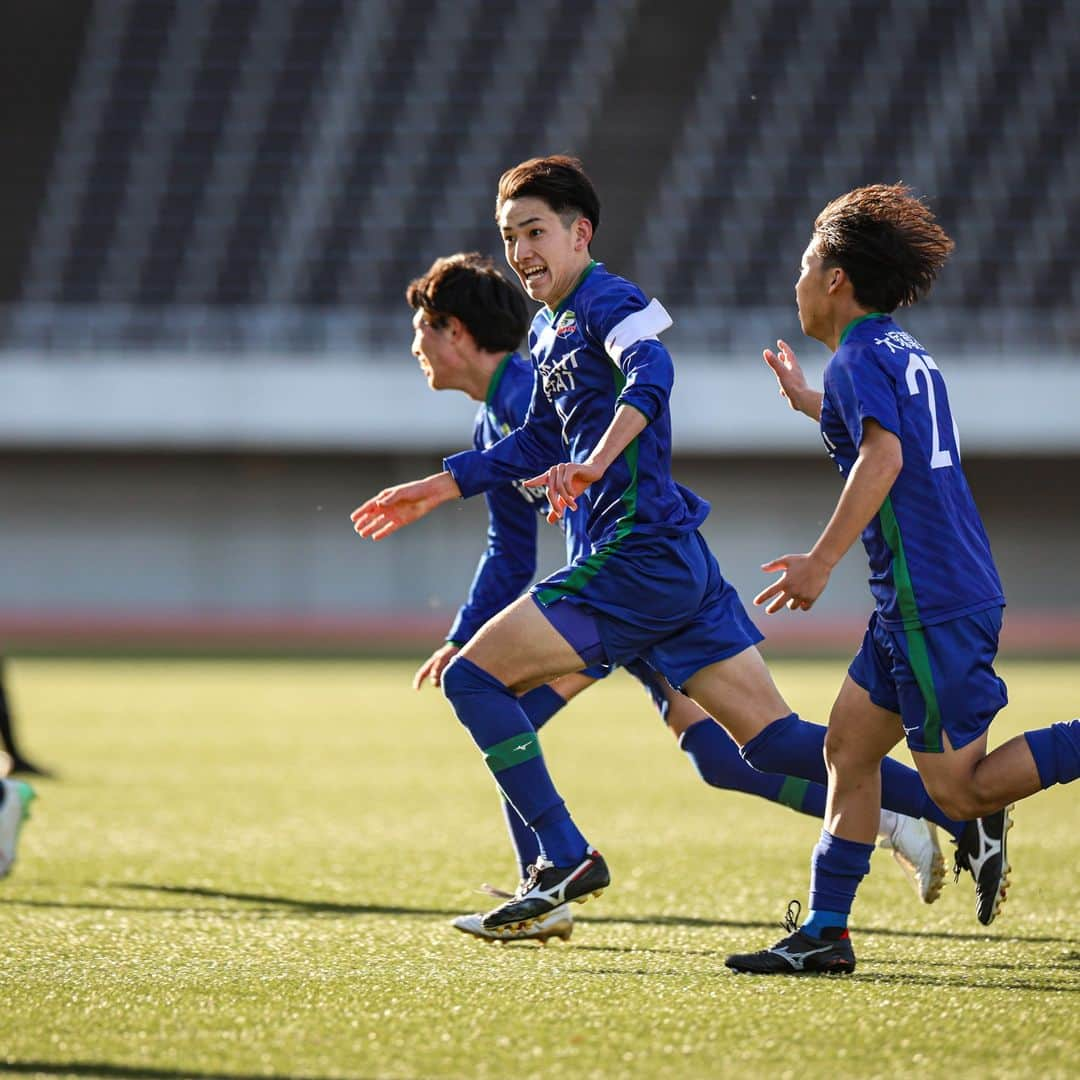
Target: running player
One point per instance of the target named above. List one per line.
(649, 587)
(467, 322)
(12, 759)
(15, 799)
(925, 668)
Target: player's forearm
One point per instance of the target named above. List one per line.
(628, 424)
(809, 403)
(441, 487)
(868, 485)
(515, 457)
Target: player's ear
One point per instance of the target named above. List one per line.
(583, 232)
(837, 277)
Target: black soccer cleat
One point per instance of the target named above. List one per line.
(547, 887)
(981, 851)
(799, 954)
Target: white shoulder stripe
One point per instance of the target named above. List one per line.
(646, 323)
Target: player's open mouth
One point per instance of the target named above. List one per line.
(531, 273)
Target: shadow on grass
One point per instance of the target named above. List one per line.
(961, 981)
(735, 924)
(260, 904)
(263, 903)
(315, 907)
(104, 1069)
(956, 981)
(957, 976)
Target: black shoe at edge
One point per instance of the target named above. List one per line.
(799, 953)
(548, 886)
(981, 850)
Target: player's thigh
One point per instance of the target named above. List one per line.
(860, 732)
(569, 686)
(949, 774)
(739, 693)
(521, 648)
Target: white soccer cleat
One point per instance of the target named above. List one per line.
(556, 923)
(14, 810)
(915, 847)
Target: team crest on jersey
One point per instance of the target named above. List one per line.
(566, 325)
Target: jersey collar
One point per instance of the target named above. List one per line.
(564, 303)
(855, 322)
(496, 378)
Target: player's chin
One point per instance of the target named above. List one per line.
(539, 286)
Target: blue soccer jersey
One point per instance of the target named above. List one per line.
(597, 351)
(929, 555)
(508, 564)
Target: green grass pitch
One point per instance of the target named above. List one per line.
(247, 869)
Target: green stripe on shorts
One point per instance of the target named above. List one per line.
(512, 751)
(924, 676)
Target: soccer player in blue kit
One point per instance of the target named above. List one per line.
(467, 323)
(598, 431)
(925, 668)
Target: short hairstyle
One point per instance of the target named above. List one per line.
(887, 242)
(557, 179)
(469, 286)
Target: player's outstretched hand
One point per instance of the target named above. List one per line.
(803, 580)
(395, 507)
(564, 483)
(788, 373)
(432, 668)
(793, 386)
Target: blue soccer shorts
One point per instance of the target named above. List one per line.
(659, 599)
(938, 678)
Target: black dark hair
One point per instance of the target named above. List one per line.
(559, 180)
(469, 286)
(886, 240)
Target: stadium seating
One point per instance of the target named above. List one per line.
(244, 172)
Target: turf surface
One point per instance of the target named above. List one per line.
(247, 869)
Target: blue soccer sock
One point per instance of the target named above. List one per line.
(540, 705)
(836, 869)
(796, 747)
(526, 844)
(499, 726)
(716, 757)
(1056, 751)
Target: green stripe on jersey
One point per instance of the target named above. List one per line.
(918, 654)
(905, 591)
(512, 751)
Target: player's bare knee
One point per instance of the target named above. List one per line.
(841, 752)
(456, 678)
(957, 798)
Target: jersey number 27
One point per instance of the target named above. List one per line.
(924, 365)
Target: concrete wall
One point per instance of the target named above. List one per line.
(149, 542)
